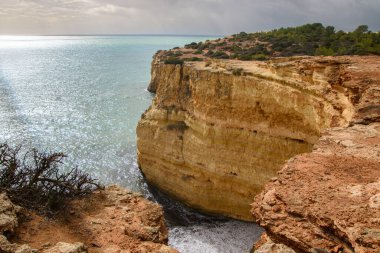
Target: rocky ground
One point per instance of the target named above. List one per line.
(329, 199)
(266, 245)
(114, 220)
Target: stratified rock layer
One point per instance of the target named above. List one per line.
(216, 133)
(329, 199)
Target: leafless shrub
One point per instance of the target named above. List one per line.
(34, 180)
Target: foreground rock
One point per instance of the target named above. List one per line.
(266, 245)
(8, 214)
(327, 200)
(114, 220)
(218, 130)
(8, 223)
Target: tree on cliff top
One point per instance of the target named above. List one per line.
(309, 39)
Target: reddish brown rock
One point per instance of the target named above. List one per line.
(327, 200)
(266, 245)
(114, 220)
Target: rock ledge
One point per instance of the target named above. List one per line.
(113, 220)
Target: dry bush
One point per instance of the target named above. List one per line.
(34, 180)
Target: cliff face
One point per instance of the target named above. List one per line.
(217, 132)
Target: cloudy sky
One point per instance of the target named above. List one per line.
(179, 16)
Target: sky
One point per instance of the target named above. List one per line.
(207, 17)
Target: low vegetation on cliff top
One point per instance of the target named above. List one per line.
(309, 39)
(36, 180)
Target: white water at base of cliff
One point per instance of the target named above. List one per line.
(227, 237)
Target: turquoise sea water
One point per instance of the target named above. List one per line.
(83, 95)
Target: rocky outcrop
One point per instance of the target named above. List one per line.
(329, 199)
(217, 131)
(113, 220)
(64, 247)
(7, 247)
(266, 245)
(8, 223)
(8, 214)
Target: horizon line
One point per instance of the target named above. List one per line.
(119, 34)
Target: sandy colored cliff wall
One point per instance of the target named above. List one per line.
(216, 134)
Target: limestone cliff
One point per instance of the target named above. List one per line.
(217, 131)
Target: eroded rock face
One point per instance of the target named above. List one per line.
(213, 138)
(329, 199)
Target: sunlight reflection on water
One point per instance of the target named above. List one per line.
(83, 96)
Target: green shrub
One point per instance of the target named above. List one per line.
(324, 51)
(244, 57)
(169, 53)
(241, 35)
(209, 53)
(308, 39)
(173, 60)
(202, 46)
(237, 72)
(192, 45)
(260, 57)
(219, 55)
(193, 59)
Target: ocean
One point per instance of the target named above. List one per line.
(83, 95)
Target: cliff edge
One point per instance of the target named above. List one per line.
(218, 130)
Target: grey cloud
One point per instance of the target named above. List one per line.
(179, 16)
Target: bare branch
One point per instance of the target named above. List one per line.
(35, 180)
